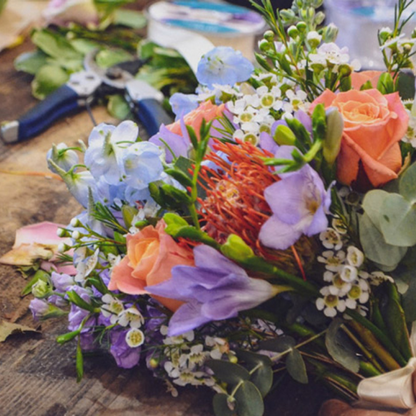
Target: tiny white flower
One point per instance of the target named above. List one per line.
(355, 257)
(134, 338)
(131, 317)
(376, 278)
(112, 307)
(331, 239)
(348, 273)
(333, 261)
(330, 303)
(86, 266)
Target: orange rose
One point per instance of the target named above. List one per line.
(373, 126)
(358, 79)
(206, 110)
(151, 255)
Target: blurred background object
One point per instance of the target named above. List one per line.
(358, 22)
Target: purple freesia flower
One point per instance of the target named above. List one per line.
(224, 66)
(178, 144)
(215, 289)
(183, 104)
(125, 356)
(299, 203)
(39, 308)
(62, 281)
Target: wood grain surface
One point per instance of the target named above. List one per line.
(37, 376)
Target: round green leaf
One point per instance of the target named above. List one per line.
(110, 57)
(340, 348)
(280, 344)
(118, 107)
(130, 18)
(263, 379)
(407, 184)
(398, 221)
(47, 80)
(220, 405)
(227, 372)
(249, 400)
(30, 62)
(296, 367)
(372, 203)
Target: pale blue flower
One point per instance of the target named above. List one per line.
(215, 289)
(65, 159)
(142, 164)
(183, 104)
(224, 66)
(299, 204)
(106, 146)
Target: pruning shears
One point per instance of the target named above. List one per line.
(82, 89)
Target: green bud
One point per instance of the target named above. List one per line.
(344, 70)
(366, 86)
(333, 136)
(293, 32)
(345, 84)
(128, 214)
(41, 289)
(269, 36)
(384, 34)
(154, 363)
(141, 224)
(288, 16)
(263, 62)
(331, 33)
(301, 26)
(310, 14)
(236, 249)
(61, 232)
(233, 359)
(284, 136)
(385, 83)
(264, 45)
(319, 18)
(413, 35)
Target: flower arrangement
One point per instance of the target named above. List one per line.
(270, 228)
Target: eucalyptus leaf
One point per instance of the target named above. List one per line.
(220, 405)
(30, 62)
(228, 372)
(398, 221)
(118, 107)
(405, 85)
(296, 366)
(47, 80)
(263, 379)
(407, 184)
(372, 204)
(375, 248)
(409, 304)
(249, 400)
(280, 344)
(252, 358)
(340, 348)
(8, 328)
(130, 18)
(54, 45)
(110, 57)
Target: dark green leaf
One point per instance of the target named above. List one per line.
(252, 358)
(340, 348)
(54, 45)
(98, 284)
(40, 274)
(385, 83)
(220, 405)
(180, 176)
(175, 194)
(227, 372)
(263, 379)
(280, 344)
(296, 366)
(249, 400)
(405, 84)
(407, 184)
(77, 300)
(409, 304)
(110, 57)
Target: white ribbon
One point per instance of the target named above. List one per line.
(393, 389)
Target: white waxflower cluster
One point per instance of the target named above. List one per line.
(410, 136)
(349, 285)
(185, 357)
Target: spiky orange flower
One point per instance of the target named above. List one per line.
(234, 202)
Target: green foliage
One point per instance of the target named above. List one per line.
(296, 366)
(48, 79)
(118, 107)
(340, 348)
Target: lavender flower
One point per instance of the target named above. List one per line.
(39, 308)
(215, 289)
(62, 281)
(299, 203)
(125, 356)
(225, 66)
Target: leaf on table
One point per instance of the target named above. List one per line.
(118, 107)
(54, 45)
(84, 46)
(30, 62)
(110, 57)
(7, 328)
(48, 79)
(130, 18)
(28, 254)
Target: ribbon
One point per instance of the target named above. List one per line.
(393, 389)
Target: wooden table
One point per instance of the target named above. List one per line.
(37, 376)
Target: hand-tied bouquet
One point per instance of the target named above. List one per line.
(272, 227)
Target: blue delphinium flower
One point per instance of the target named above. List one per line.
(299, 203)
(224, 66)
(62, 157)
(182, 104)
(106, 146)
(215, 289)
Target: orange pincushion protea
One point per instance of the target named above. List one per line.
(234, 202)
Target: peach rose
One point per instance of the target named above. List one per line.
(206, 110)
(358, 79)
(373, 126)
(151, 255)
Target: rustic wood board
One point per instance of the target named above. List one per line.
(37, 376)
